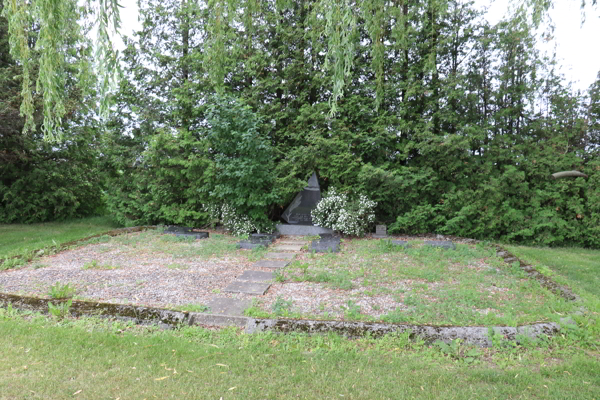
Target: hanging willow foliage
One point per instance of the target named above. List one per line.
(56, 21)
(334, 20)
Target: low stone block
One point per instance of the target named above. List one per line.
(257, 288)
(327, 244)
(444, 244)
(402, 243)
(256, 276)
(271, 264)
(245, 244)
(280, 256)
(186, 232)
(228, 306)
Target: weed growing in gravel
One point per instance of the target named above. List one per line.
(352, 312)
(177, 266)
(95, 265)
(339, 279)
(254, 311)
(59, 291)
(256, 253)
(39, 265)
(282, 307)
(279, 276)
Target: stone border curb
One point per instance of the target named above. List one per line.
(476, 335)
(472, 335)
(217, 320)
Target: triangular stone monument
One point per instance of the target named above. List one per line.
(298, 212)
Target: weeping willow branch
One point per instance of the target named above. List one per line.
(56, 21)
(341, 34)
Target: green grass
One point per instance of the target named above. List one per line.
(466, 286)
(18, 239)
(580, 267)
(99, 359)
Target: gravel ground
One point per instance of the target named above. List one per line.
(144, 276)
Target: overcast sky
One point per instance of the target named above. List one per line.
(576, 46)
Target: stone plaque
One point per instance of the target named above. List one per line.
(298, 212)
(326, 244)
(444, 244)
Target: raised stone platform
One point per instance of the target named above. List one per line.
(301, 230)
(288, 247)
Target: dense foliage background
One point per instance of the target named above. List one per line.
(42, 181)
(450, 124)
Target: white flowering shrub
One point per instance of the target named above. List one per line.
(236, 223)
(348, 216)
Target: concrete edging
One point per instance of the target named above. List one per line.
(475, 335)
(168, 318)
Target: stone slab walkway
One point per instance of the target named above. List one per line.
(246, 287)
(228, 306)
(256, 276)
(280, 256)
(275, 264)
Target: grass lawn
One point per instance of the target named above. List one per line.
(89, 358)
(17, 239)
(42, 358)
(425, 285)
(580, 268)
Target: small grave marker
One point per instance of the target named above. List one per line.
(380, 231)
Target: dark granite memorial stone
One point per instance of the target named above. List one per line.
(444, 244)
(328, 243)
(186, 232)
(298, 212)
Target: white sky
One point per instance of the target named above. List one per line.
(576, 46)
